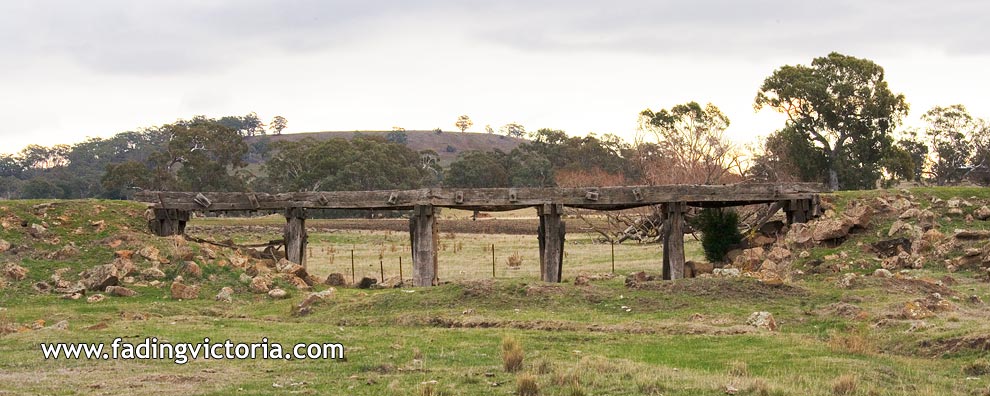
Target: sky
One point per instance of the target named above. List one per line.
(70, 69)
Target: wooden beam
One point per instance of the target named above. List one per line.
(295, 235)
(673, 240)
(488, 199)
(169, 222)
(551, 234)
(424, 237)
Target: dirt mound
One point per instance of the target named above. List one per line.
(903, 285)
(724, 288)
(971, 343)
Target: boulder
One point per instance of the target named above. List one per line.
(694, 268)
(882, 273)
(727, 272)
(972, 234)
(367, 283)
(830, 229)
(65, 253)
(336, 279)
(124, 266)
(297, 282)
(891, 247)
(150, 253)
(4, 246)
(982, 213)
(182, 291)
(799, 235)
(225, 295)
(762, 320)
(278, 293)
(582, 280)
(152, 273)
(99, 277)
(192, 269)
(846, 280)
(14, 272)
(260, 284)
(306, 306)
(287, 267)
(94, 298)
(749, 259)
(953, 203)
(120, 291)
(909, 214)
(858, 216)
(779, 254)
(954, 212)
(900, 261)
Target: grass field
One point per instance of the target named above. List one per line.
(682, 338)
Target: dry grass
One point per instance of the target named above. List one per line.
(526, 385)
(858, 342)
(977, 368)
(514, 261)
(512, 354)
(739, 369)
(758, 387)
(844, 385)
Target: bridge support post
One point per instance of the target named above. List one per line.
(799, 210)
(295, 235)
(424, 237)
(551, 237)
(169, 222)
(673, 240)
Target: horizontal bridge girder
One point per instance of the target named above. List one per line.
(487, 199)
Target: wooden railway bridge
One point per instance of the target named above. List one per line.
(799, 201)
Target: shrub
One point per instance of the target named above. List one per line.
(844, 385)
(514, 261)
(512, 354)
(719, 232)
(526, 385)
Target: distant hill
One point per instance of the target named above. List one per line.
(447, 144)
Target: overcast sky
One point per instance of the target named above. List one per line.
(75, 69)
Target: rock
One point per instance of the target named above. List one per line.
(953, 203)
(761, 240)
(926, 307)
(192, 269)
(821, 267)
(974, 299)
(42, 287)
(120, 291)
(297, 282)
(799, 235)
(898, 227)
(4, 246)
(694, 268)
(181, 291)
(779, 254)
(306, 306)
(336, 279)
(882, 273)
(909, 214)
(287, 267)
(830, 229)
(60, 325)
(278, 293)
(14, 272)
(582, 280)
(152, 273)
(901, 260)
(901, 204)
(99, 277)
(749, 259)
(95, 298)
(225, 295)
(72, 296)
(124, 266)
(65, 253)
(150, 253)
(245, 278)
(982, 213)
(846, 280)
(367, 283)
(260, 284)
(891, 247)
(727, 272)
(762, 320)
(37, 231)
(954, 212)
(972, 234)
(804, 254)
(858, 216)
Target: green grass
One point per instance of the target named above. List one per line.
(599, 339)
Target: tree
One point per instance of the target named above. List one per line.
(362, 163)
(278, 124)
(489, 130)
(248, 125)
(463, 123)
(478, 169)
(513, 129)
(692, 143)
(950, 131)
(400, 137)
(917, 150)
(837, 103)
(198, 156)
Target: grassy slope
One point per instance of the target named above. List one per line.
(578, 340)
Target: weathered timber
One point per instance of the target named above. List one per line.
(424, 237)
(295, 235)
(673, 240)
(551, 239)
(489, 199)
(169, 222)
(800, 210)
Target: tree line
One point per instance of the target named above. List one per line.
(842, 128)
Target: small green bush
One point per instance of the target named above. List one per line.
(719, 232)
